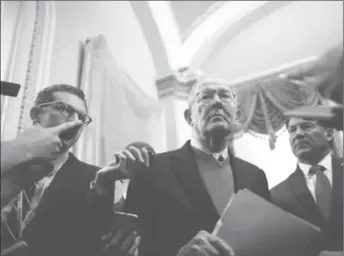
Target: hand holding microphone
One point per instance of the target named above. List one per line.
(127, 164)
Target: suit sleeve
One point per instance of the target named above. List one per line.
(98, 212)
(100, 208)
(141, 201)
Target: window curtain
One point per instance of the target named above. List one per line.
(121, 111)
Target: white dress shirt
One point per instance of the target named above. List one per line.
(196, 144)
(326, 162)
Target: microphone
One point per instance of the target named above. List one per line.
(70, 133)
(9, 89)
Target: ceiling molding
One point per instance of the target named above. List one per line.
(273, 72)
(205, 34)
(152, 35)
(198, 22)
(168, 29)
(178, 84)
(231, 29)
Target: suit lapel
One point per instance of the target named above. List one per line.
(302, 195)
(58, 186)
(337, 190)
(193, 190)
(235, 164)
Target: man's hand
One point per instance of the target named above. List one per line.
(205, 244)
(44, 144)
(328, 253)
(120, 244)
(126, 165)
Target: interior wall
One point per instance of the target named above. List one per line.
(78, 20)
(9, 16)
(298, 30)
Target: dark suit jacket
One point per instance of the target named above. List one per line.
(173, 203)
(293, 196)
(69, 217)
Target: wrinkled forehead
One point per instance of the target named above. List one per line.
(296, 121)
(210, 86)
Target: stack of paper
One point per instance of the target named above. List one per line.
(253, 226)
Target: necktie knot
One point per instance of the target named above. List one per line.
(316, 168)
(220, 158)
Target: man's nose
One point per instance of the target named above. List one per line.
(216, 98)
(299, 131)
(74, 117)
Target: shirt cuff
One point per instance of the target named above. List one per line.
(99, 191)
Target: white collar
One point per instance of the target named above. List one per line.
(196, 144)
(57, 163)
(326, 162)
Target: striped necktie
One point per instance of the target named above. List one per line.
(323, 191)
(39, 190)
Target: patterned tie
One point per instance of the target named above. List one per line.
(323, 191)
(40, 187)
(12, 223)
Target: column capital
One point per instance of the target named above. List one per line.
(176, 83)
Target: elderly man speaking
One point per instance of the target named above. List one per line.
(185, 190)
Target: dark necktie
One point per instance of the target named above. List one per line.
(220, 158)
(323, 191)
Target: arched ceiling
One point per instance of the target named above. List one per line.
(188, 13)
(225, 36)
(297, 31)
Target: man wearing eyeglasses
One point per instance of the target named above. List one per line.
(186, 190)
(65, 212)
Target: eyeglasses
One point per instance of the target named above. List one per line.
(67, 110)
(208, 95)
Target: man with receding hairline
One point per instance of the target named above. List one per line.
(180, 198)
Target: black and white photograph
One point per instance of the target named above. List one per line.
(172, 128)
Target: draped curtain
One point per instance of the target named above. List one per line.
(121, 111)
(262, 104)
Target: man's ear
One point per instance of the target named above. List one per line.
(34, 115)
(187, 116)
(329, 134)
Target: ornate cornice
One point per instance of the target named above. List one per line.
(178, 83)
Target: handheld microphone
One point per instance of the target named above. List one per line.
(70, 133)
(9, 89)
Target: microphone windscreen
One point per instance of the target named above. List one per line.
(9, 89)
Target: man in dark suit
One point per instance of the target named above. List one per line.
(314, 192)
(69, 208)
(185, 190)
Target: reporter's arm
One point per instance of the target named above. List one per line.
(14, 177)
(13, 154)
(19, 178)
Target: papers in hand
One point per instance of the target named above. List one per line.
(254, 227)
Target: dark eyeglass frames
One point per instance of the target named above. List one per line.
(67, 110)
